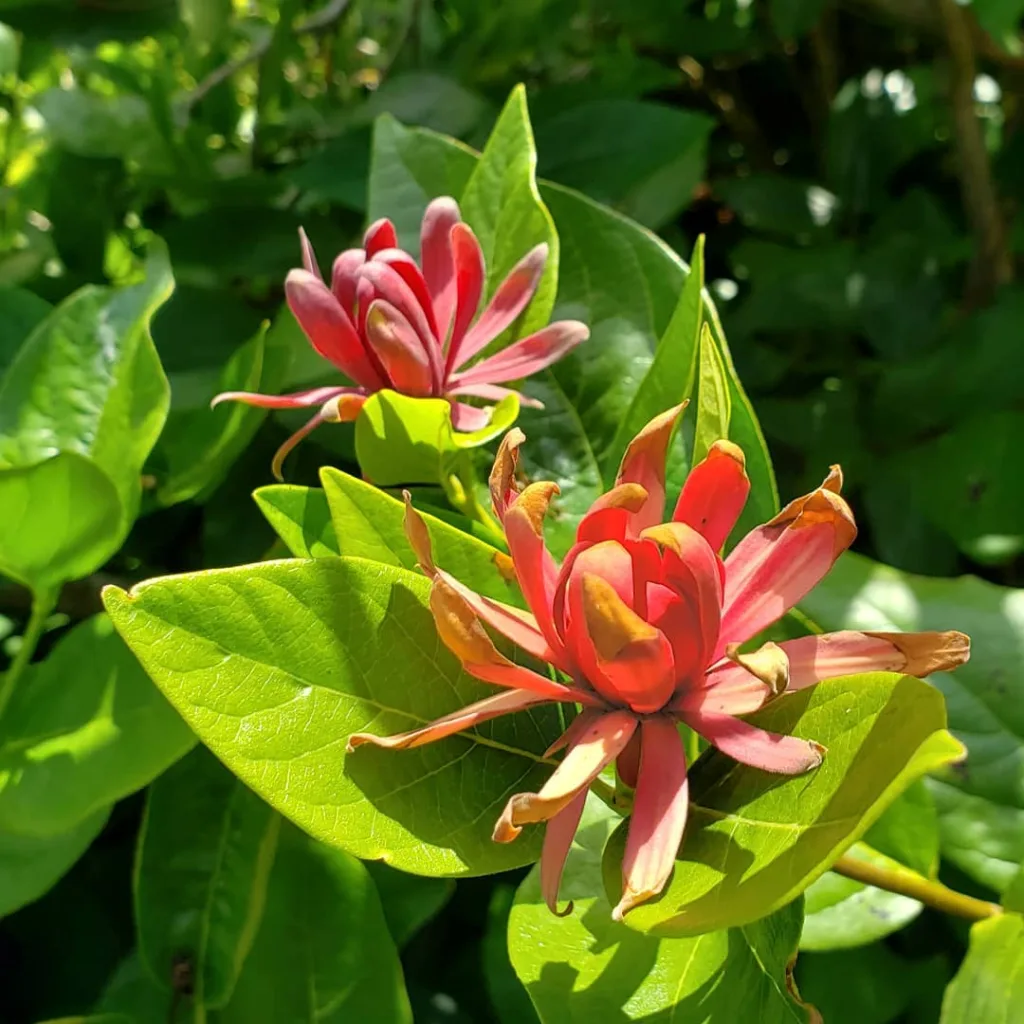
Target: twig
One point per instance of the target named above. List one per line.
(908, 883)
(993, 262)
(42, 605)
(314, 24)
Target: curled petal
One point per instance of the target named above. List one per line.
(814, 658)
(465, 718)
(380, 235)
(608, 518)
(746, 743)
(469, 418)
(558, 836)
(297, 400)
(418, 535)
(714, 493)
(775, 565)
(527, 356)
(494, 393)
(329, 328)
(659, 814)
(283, 452)
(438, 264)
(644, 464)
(470, 273)
(399, 348)
(592, 753)
(502, 481)
(510, 299)
(768, 663)
(308, 255)
(345, 277)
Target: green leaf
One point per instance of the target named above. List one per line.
(31, 865)
(301, 517)
(204, 856)
(370, 522)
(353, 647)
(755, 840)
(403, 440)
(200, 445)
(409, 901)
(990, 983)
(794, 18)
(85, 728)
(502, 205)
(96, 345)
(587, 968)
(713, 402)
(980, 801)
(323, 951)
(132, 994)
(20, 310)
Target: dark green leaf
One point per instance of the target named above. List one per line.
(409, 901)
(714, 407)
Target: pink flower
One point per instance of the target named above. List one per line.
(388, 322)
(645, 622)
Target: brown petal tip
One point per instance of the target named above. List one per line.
(769, 663)
(631, 899)
(930, 651)
(728, 450)
(418, 536)
(534, 502)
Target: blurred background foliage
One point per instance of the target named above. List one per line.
(854, 165)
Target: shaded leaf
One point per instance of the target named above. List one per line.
(409, 901)
(301, 517)
(714, 408)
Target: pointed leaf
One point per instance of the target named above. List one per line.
(714, 406)
(301, 517)
(755, 840)
(990, 983)
(353, 647)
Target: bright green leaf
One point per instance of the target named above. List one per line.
(204, 856)
(755, 840)
(31, 865)
(353, 647)
(586, 968)
(980, 801)
(990, 983)
(714, 407)
(323, 951)
(301, 517)
(85, 728)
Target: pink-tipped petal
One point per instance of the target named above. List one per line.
(527, 356)
(410, 273)
(308, 255)
(659, 814)
(591, 754)
(329, 329)
(511, 297)
(517, 677)
(468, 418)
(438, 264)
(457, 721)
(644, 464)
(494, 393)
(345, 278)
(558, 837)
(283, 452)
(746, 743)
(575, 730)
(380, 235)
(777, 564)
(714, 493)
(814, 658)
(729, 689)
(399, 349)
(470, 274)
(296, 400)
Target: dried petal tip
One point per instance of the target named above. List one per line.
(630, 899)
(768, 663)
(418, 536)
(502, 481)
(929, 652)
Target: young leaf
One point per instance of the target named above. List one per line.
(502, 205)
(755, 840)
(301, 517)
(323, 951)
(990, 983)
(353, 647)
(204, 856)
(85, 728)
(607, 972)
(714, 405)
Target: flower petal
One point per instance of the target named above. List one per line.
(814, 658)
(608, 518)
(752, 746)
(438, 264)
(659, 814)
(729, 689)
(494, 393)
(345, 277)
(509, 300)
(468, 418)
(308, 255)
(277, 463)
(408, 270)
(296, 400)
(714, 493)
(558, 837)
(528, 355)
(644, 464)
(399, 348)
(768, 663)
(589, 756)
(502, 481)
(465, 718)
(329, 328)
(470, 273)
(380, 235)
(777, 564)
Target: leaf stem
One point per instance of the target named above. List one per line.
(43, 603)
(909, 883)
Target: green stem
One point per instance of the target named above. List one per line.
(43, 603)
(908, 883)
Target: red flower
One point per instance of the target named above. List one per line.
(388, 322)
(646, 621)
